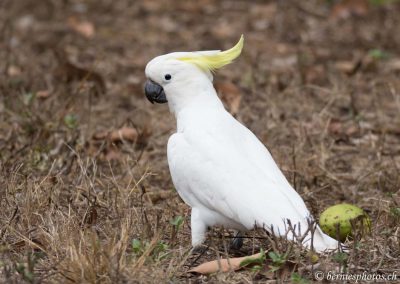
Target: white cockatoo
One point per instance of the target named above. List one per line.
(218, 166)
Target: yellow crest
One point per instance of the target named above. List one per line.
(212, 61)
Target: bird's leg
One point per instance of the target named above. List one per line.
(199, 229)
(237, 242)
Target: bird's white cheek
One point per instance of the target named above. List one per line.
(171, 98)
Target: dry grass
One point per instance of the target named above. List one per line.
(84, 210)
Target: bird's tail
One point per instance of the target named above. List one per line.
(321, 242)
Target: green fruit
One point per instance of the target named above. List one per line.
(344, 220)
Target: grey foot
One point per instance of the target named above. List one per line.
(200, 249)
(237, 242)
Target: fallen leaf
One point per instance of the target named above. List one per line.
(25, 23)
(230, 95)
(314, 74)
(284, 63)
(345, 66)
(124, 133)
(264, 10)
(225, 265)
(112, 154)
(351, 130)
(91, 216)
(70, 71)
(13, 71)
(339, 128)
(346, 8)
(103, 143)
(394, 64)
(151, 6)
(43, 94)
(36, 242)
(159, 195)
(335, 127)
(142, 121)
(102, 135)
(223, 29)
(84, 28)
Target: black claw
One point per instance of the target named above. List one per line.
(201, 249)
(237, 243)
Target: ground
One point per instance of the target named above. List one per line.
(86, 196)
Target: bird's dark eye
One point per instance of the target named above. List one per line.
(167, 77)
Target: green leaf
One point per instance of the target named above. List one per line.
(340, 257)
(254, 260)
(26, 275)
(177, 222)
(382, 2)
(28, 98)
(296, 278)
(160, 251)
(277, 260)
(274, 256)
(395, 211)
(71, 121)
(256, 268)
(274, 268)
(378, 54)
(136, 246)
(160, 247)
(20, 268)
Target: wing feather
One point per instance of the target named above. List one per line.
(227, 169)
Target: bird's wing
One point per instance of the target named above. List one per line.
(225, 168)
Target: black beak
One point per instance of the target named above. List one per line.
(154, 92)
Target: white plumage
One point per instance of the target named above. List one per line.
(218, 166)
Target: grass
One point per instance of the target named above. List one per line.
(80, 207)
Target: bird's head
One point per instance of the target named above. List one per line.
(178, 77)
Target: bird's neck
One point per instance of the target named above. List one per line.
(197, 99)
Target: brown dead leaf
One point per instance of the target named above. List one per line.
(13, 71)
(223, 29)
(37, 242)
(142, 121)
(124, 133)
(151, 6)
(70, 71)
(346, 8)
(365, 63)
(102, 135)
(346, 67)
(340, 128)
(264, 10)
(335, 127)
(351, 130)
(160, 195)
(394, 64)
(112, 154)
(84, 28)
(223, 265)
(91, 216)
(230, 95)
(314, 74)
(43, 94)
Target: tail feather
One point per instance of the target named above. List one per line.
(321, 242)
